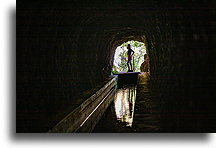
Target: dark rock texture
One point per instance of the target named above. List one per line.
(67, 47)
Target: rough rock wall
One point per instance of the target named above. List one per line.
(183, 66)
(65, 47)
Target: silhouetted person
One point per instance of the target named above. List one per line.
(130, 52)
(145, 65)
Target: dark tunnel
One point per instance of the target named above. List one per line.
(66, 48)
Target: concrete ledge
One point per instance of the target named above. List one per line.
(86, 116)
(127, 78)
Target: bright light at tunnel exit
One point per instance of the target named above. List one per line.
(120, 58)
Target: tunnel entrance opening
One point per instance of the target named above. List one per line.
(121, 57)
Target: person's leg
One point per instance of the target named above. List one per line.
(128, 65)
(131, 66)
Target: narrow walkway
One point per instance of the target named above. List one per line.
(146, 114)
(134, 109)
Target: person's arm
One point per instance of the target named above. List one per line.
(132, 52)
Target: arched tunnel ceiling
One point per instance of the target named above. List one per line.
(110, 27)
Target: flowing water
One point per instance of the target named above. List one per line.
(134, 109)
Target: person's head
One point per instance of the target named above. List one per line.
(128, 46)
(145, 56)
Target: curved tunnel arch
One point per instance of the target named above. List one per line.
(125, 36)
(105, 37)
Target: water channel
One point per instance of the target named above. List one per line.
(134, 109)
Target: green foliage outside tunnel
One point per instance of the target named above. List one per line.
(120, 58)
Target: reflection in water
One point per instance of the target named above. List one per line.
(120, 116)
(124, 104)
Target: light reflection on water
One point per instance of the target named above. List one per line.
(124, 103)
